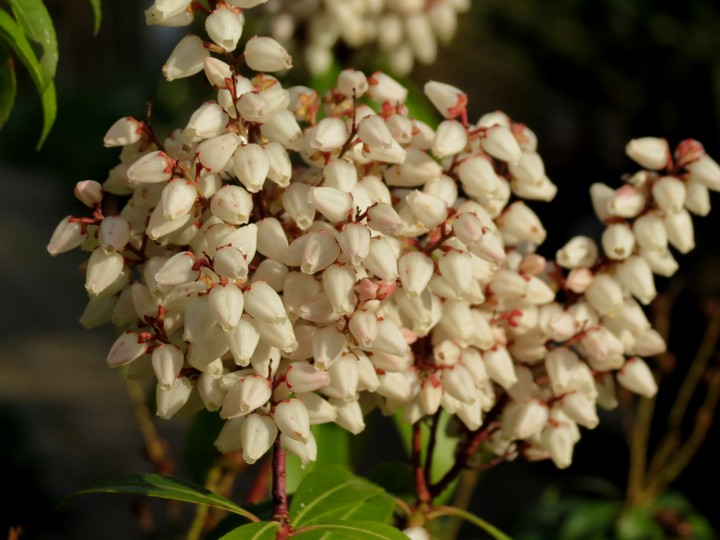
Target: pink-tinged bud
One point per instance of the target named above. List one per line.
(417, 170)
(302, 378)
(294, 200)
(605, 295)
(401, 128)
(232, 204)
(415, 269)
(229, 262)
(327, 345)
(128, 347)
(697, 200)
(428, 209)
(349, 415)
(649, 152)
(636, 276)
(521, 223)
(332, 203)
(283, 128)
(330, 134)
(579, 252)
(210, 120)
(89, 192)
(448, 100)
(243, 340)
(458, 382)
(280, 167)
(650, 232)
(124, 132)
(627, 202)
(669, 194)
(338, 282)
(636, 376)
(381, 259)
(600, 194)
(352, 83)
(292, 419)
(178, 198)
(319, 251)
(167, 361)
(245, 396)
(225, 26)
(178, 270)
(705, 171)
(215, 153)
(383, 218)
(499, 366)
(258, 433)
(263, 303)
(578, 280)
(66, 236)
(385, 88)
(150, 169)
(680, 233)
(218, 73)
(187, 58)
(618, 241)
(363, 326)
(501, 144)
(169, 401)
(559, 442)
(226, 303)
(431, 393)
(251, 166)
(103, 271)
(602, 349)
(267, 55)
(373, 131)
(253, 107)
(114, 233)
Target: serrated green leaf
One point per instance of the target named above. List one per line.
(13, 34)
(265, 530)
(97, 15)
(328, 491)
(8, 85)
(164, 487)
(36, 23)
(354, 530)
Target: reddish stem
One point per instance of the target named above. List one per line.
(423, 493)
(279, 492)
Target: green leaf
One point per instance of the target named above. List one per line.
(330, 437)
(8, 85)
(164, 487)
(326, 493)
(479, 522)
(37, 25)
(353, 530)
(200, 452)
(265, 530)
(13, 34)
(638, 524)
(590, 520)
(97, 15)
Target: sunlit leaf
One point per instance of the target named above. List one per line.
(354, 530)
(265, 530)
(35, 21)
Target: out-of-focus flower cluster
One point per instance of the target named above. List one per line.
(289, 259)
(402, 30)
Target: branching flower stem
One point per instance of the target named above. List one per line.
(279, 491)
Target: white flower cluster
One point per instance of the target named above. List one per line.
(403, 30)
(289, 259)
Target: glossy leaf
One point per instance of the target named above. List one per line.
(352, 530)
(326, 493)
(164, 487)
(35, 21)
(97, 15)
(8, 85)
(334, 441)
(264, 530)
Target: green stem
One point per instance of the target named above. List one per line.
(440, 511)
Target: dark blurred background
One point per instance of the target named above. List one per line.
(585, 76)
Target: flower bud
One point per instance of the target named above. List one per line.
(383, 218)
(636, 376)
(651, 153)
(679, 230)
(67, 235)
(294, 200)
(283, 128)
(579, 252)
(169, 401)
(705, 171)
(521, 223)
(243, 340)
(103, 270)
(580, 409)
(266, 54)
(450, 139)
(669, 194)
(627, 202)
(251, 166)
(123, 132)
(636, 276)
(292, 419)
(349, 415)
(187, 58)
(245, 396)
(210, 120)
(415, 269)
(218, 73)
(697, 200)
(381, 259)
(178, 270)
(263, 303)
(232, 204)
(128, 347)
(280, 168)
(429, 210)
(114, 233)
(167, 361)
(327, 345)
(225, 26)
(226, 302)
(258, 433)
(318, 252)
(150, 169)
(302, 378)
(332, 203)
(500, 143)
(618, 241)
(448, 100)
(499, 366)
(650, 232)
(385, 88)
(352, 83)
(605, 295)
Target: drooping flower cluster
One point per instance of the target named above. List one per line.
(289, 259)
(402, 30)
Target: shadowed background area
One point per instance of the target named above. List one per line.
(585, 76)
